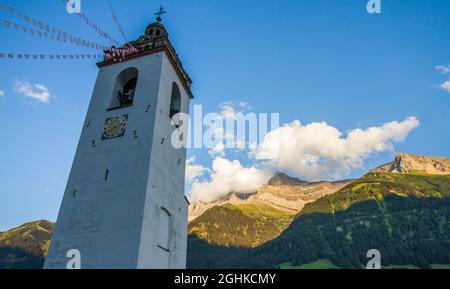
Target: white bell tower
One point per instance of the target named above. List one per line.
(124, 204)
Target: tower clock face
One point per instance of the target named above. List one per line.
(115, 127)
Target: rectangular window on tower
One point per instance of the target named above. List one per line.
(164, 229)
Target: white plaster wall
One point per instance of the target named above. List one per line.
(114, 223)
(165, 165)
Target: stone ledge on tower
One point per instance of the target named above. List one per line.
(154, 40)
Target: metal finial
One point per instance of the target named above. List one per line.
(159, 13)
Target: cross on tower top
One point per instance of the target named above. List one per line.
(159, 13)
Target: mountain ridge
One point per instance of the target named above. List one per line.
(411, 163)
(281, 192)
(25, 246)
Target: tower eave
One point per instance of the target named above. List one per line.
(153, 41)
(182, 74)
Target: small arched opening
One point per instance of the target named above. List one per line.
(125, 88)
(175, 100)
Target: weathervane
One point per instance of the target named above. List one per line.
(159, 13)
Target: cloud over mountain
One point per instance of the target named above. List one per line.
(312, 152)
(317, 150)
(193, 171)
(228, 176)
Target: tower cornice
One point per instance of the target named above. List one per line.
(155, 39)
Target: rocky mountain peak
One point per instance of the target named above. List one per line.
(282, 192)
(280, 179)
(410, 163)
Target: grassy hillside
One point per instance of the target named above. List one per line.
(376, 186)
(25, 246)
(240, 225)
(405, 216)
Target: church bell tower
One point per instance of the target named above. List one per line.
(124, 203)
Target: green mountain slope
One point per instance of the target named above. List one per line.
(405, 216)
(239, 225)
(25, 246)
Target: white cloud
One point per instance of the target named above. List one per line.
(38, 92)
(446, 86)
(228, 176)
(194, 171)
(229, 111)
(217, 150)
(317, 150)
(232, 107)
(444, 69)
(2, 93)
(314, 151)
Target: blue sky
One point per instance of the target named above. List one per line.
(313, 61)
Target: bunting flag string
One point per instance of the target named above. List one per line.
(34, 56)
(119, 54)
(69, 39)
(95, 27)
(46, 30)
(116, 20)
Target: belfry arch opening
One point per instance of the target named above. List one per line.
(175, 100)
(125, 88)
